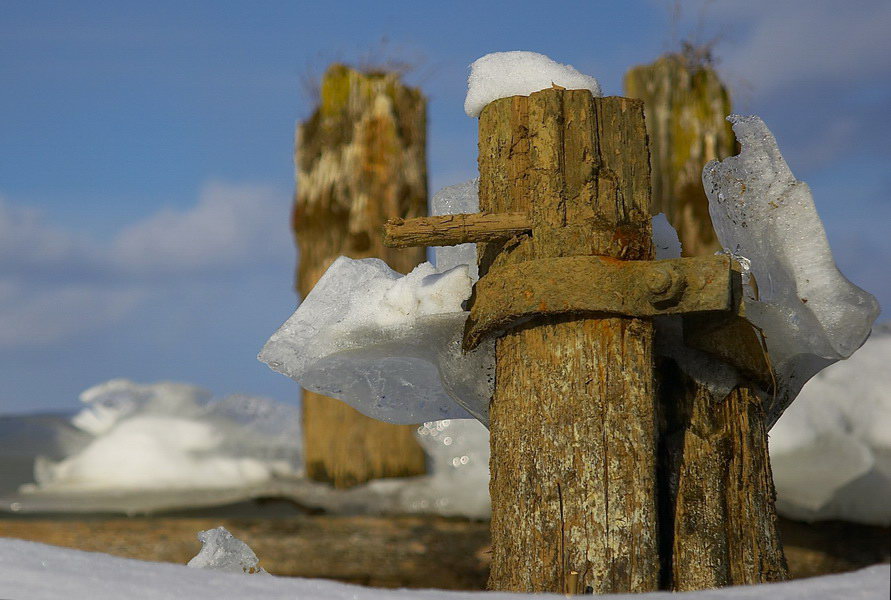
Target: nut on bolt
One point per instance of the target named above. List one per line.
(665, 285)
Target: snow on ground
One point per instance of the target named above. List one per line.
(172, 435)
(831, 451)
(39, 572)
(505, 74)
(222, 551)
(144, 448)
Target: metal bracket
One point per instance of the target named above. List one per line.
(508, 295)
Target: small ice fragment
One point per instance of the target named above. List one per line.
(809, 313)
(505, 74)
(221, 551)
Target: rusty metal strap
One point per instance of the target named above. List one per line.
(511, 294)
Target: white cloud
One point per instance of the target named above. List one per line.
(27, 241)
(805, 42)
(36, 317)
(56, 284)
(231, 225)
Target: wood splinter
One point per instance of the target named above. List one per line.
(451, 230)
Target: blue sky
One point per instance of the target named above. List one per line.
(146, 148)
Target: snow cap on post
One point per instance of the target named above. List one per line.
(504, 74)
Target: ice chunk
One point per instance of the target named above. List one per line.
(504, 74)
(831, 450)
(174, 436)
(809, 314)
(387, 344)
(221, 551)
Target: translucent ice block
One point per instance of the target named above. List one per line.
(387, 344)
(809, 313)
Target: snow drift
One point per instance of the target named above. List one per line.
(39, 572)
(171, 435)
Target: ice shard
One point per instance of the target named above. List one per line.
(810, 315)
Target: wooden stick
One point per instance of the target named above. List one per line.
(450, 230)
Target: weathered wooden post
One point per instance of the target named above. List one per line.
(568, 282)
(718, 516)
(573, 416)
(360, 160)
(721, 521)
(685, 104)
(572, 420)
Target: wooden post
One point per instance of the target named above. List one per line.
(717, 510)
(360, 160)
(720, 522)
(722, 516)
(686, 105)
(573, 434)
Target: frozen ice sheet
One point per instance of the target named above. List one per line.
(809, 313)
(387, 344)
(504, 74)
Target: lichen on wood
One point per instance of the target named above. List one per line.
(360, 160)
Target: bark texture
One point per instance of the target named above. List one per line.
(573, 433)
(686, 105)
(724, 522)
(360, 160)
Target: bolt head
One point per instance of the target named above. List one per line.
(659, 281)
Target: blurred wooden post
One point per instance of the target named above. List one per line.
(573, 414)
(360, 160)
(685, 105)
(717, 508)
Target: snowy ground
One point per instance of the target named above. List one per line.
(39, 572)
